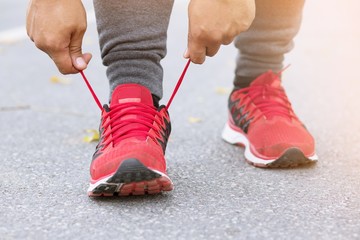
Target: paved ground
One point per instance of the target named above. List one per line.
(44, 167)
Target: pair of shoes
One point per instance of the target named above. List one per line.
(129, 159)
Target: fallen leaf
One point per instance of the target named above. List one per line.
(194, 120)
(93, 136)
(223, 90)
(60, 80)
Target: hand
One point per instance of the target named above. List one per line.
(57, 27)
(216, 22)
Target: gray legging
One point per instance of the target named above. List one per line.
(133, 35)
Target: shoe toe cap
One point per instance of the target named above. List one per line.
(273, 139)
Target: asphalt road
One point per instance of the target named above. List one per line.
(44, 168)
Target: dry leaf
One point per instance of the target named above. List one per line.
(194, 120)
(93, 136)
(222, 90)
(60, 80)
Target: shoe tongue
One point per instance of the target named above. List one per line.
(268, 78)
(273, 82)
(132, 93)
(126, 93)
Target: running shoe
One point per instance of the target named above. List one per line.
(129, 158)
(262, 120)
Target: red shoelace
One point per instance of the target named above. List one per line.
(115, 116)
(181, 78)
(271, 101)
(122, 127)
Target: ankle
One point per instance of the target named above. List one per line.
(242, 82)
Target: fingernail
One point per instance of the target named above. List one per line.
(80, 62)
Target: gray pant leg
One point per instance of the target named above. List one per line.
(132, 36)
(270, 36)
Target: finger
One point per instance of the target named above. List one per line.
(29, 26)
(63, 61)
(75, 51)
(211, 51)
(196, 52)
(227, 40)
(87, 57)
(186, 54)
(83, 61)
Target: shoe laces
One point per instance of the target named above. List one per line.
(119, 126)
(269, 100)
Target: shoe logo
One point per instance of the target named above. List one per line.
(127, 100)
(238, 115)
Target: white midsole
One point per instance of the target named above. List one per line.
(234, 137)
(95, 185)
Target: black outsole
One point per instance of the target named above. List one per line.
(292, 157)
(130, 171)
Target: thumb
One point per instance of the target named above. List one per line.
(79, 60)
(196, 52)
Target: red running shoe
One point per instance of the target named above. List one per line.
(261, 119)
(129, 158)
